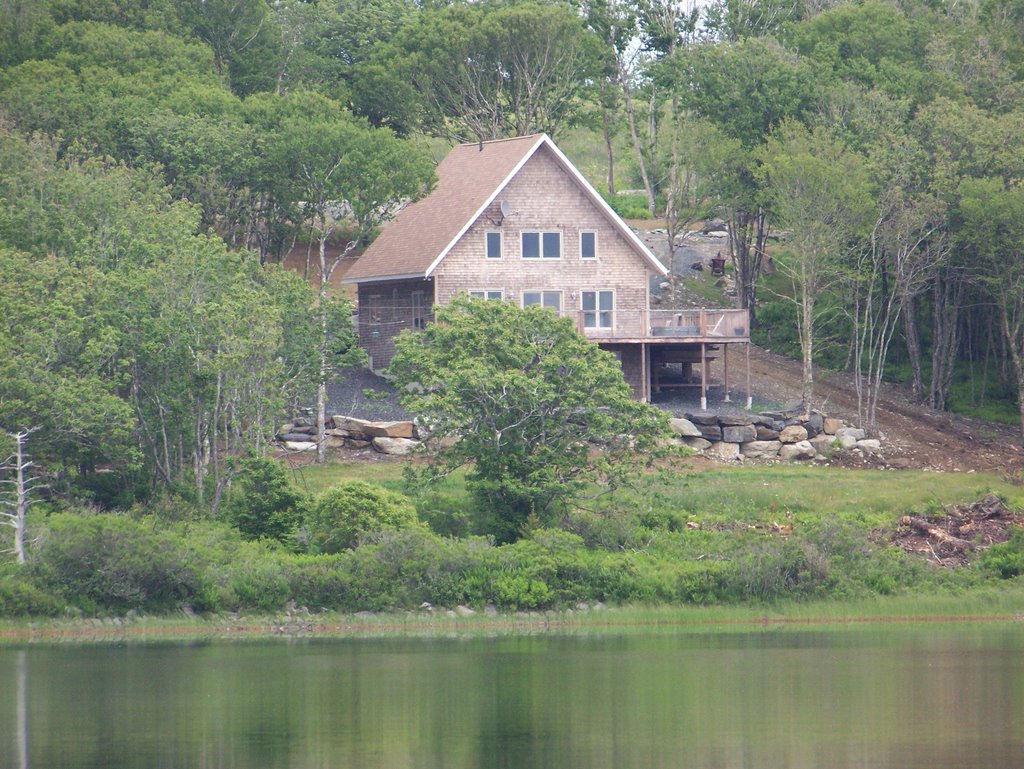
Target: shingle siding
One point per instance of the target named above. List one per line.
(542, 198)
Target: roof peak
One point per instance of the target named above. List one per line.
(499, 141)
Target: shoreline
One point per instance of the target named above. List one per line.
(928, 611)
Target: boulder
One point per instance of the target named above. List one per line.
(300, 445)
(811, 431)
(853, 432)
(814, 422)
(740, 434)
(703, 419)
(336, 432)
(767, 433)
(869, 445)
(388, 429)
(735, 420)
(823, 445)
(846, 441)
(711, 432)
(357, 443)
(793, 434)
(394, 446)
(293, 437)
(716, 234)
(354, 426)
(697, 444)
(684, 427)
(725, 450)
(796, 451)
(761, 449)
(464, 611)
(334, 441)
(832, 426)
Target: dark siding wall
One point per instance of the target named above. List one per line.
(385, 310)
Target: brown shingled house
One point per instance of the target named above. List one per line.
(514, 220)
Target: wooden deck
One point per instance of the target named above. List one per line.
(671, 327)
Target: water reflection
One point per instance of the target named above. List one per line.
(896, 699)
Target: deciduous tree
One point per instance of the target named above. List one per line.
(539, 414)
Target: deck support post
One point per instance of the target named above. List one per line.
(725, 372)
(703, 378)
(750, 398)
(645, 374)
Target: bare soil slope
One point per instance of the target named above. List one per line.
(913, 435)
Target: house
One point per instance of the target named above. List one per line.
(514, 220)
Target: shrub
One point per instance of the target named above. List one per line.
(20, 598)
(343, 515)
(1006, 560)
(111, 563)
(263, 503)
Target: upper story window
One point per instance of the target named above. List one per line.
(588, 245)
(494, 245)
(550, 299)
(542, 245)
(598, 309)
(493, 294)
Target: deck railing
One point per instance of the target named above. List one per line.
(672, 324)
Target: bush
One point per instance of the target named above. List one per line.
(111, 563)
(20, 598)
(1006, 560)
(263, 503)
(342, 516)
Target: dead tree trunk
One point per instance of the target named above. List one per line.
(16, 511)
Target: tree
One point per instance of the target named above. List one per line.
(263, 502)
(820, 192)
(23, 484)
(484, 71)
(993, 215)
(349, 177)
(540, 413)
(746, 89)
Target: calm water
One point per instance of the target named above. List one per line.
(937, 697)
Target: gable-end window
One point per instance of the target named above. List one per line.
(491, 294)
(588, 245)
(550, 299)
(542, 245)
(598, 309)
(494, 245)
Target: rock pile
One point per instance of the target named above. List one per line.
(345, 432)
(784, 435)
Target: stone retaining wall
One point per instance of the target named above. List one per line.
(781, 435)
(770, 435)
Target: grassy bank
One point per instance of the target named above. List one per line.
(729, 540)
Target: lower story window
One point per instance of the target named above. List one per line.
(550, 299)
(598, 309)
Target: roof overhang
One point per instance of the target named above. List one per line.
(385, 278)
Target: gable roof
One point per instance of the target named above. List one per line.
(469, 179)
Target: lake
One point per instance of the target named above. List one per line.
(940, 696)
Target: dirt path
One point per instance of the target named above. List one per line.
(914, 436)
